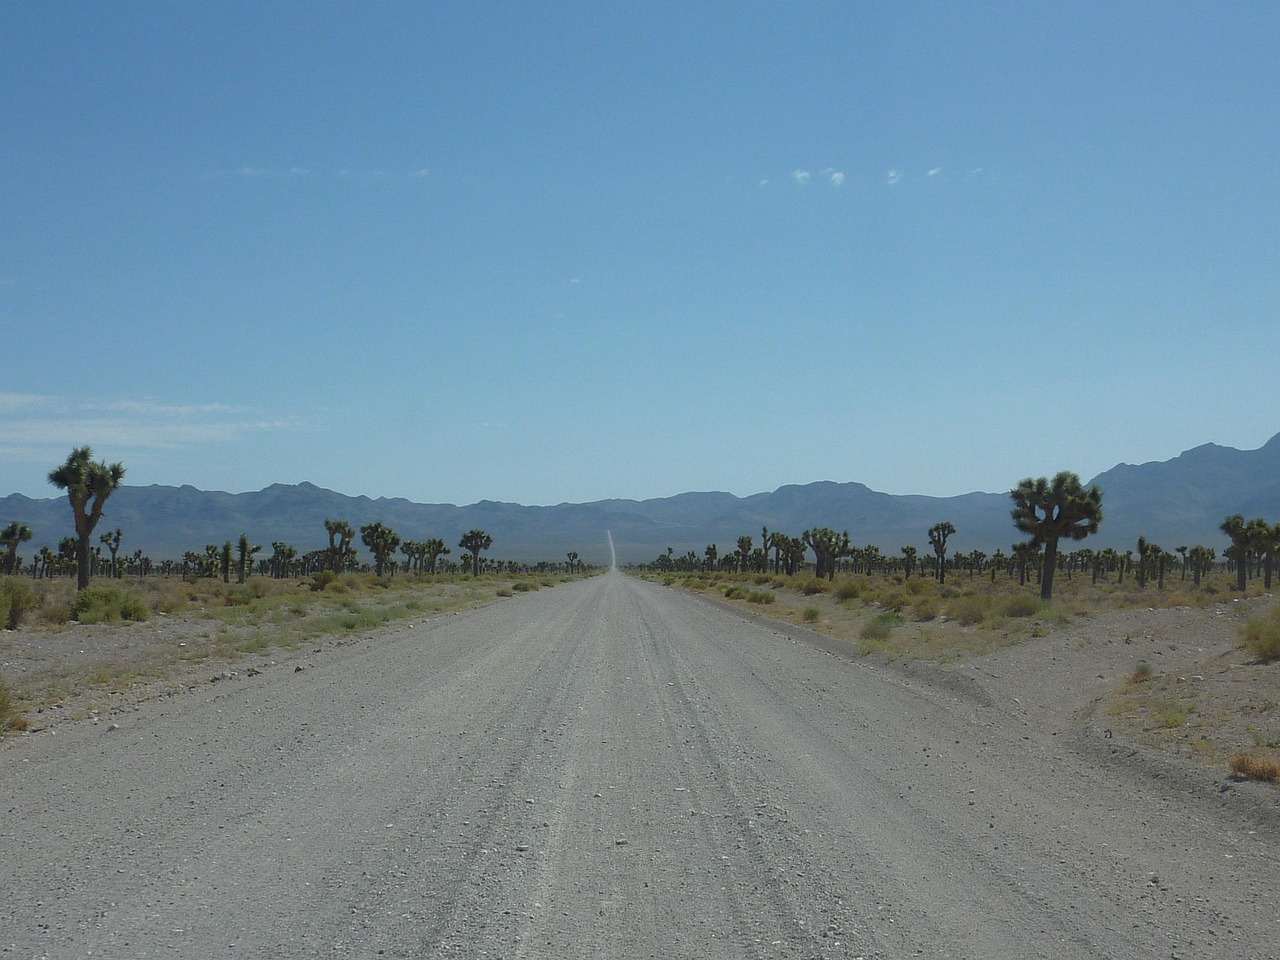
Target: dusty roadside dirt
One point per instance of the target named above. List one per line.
(615, 768)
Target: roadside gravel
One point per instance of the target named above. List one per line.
(610, 769)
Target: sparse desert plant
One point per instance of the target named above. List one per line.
(970, 609)
(17, 599)
(761, 596)
(108, 603)
(505, 592)
(813, 585)
(810, 614)
(10, 716)
(322, 578)
(1262, 636)
(1249, 766)
(880, 626)
(1021, 605)
(1141, 673)
(524, 586)
(734, 592)
(849, 590)
(925, 608)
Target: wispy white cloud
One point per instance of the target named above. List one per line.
(30, 424)
(934, 171)
(800, 176)
(892, 177)
(837, 178)
(270, 173)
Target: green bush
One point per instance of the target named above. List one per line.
(108, 603)
(880, 626)
(17, 598)
(761, 596)
(524, 586)
(734, 592)
(810, 614)
(1022, 605)
(321, 579)
(813, 585)
(925, 608)
(970, 609)
(849, 590)
(1262, 636)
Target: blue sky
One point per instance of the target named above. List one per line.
(569, 251)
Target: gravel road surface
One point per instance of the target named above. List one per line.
(608, 769)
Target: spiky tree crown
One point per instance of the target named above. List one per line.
(1056, 509)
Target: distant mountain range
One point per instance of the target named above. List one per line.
(1173, 502)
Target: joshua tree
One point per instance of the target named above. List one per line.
(11, 537)
(340, 537)
(938, 534)
(431, 550)
(112, 542)
(1264, 539)
(1050, 510)
(711, 552)
(908, 560)
(246, 552)
(88, 486)
(1235, 528)
(1201, 559)
(828, 547)
(473, 541)
(224, 561)
(382, 542)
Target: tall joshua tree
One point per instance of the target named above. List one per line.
(828, 547)
(340, 537)
(1235, 528)
(908, 560)
(245, 550)
(11, 538)
(938, 534)
(382, 542)
(1050, 510)
(432, 549)
(473, 541)
(88, 486)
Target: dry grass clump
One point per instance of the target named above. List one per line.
(761, 596)
(1141, 673)
(813, 585)
(17, 598)
(1262, 636)
(1249, 766)
(810, 614)
(10, 716)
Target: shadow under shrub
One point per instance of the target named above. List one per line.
(108, 603)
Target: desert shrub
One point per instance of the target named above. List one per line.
(1021, 605)
(1252, 767)
(761, 596)
(1141, 673)
(504, 592)
(970, 609)
(849, 590)
(1262, 636)
(524, 586)
(240, 595)
(880, 626)
(734, 592)
(17, 598)
(813, 585)
(920, 585)
(760, 579)
(925, 608)
(547, 582)
(10, 715)
(810, 614)
(895, 600)
(321, 579)
(108, 603)
(778, 582)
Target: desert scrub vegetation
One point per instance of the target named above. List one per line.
(11, 718)
(108, 603)
(1251, 766)
(17, 598)
(1262, 636)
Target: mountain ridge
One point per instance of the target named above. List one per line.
(1175, 502)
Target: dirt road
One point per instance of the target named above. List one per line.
(607, 769)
